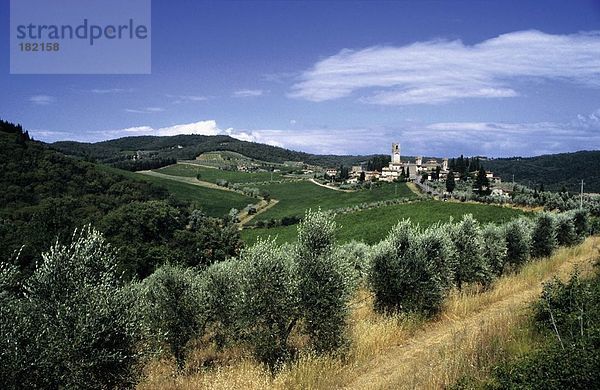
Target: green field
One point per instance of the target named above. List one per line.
(215, 203)
(372, 225)
(213, 174)
(297, 197)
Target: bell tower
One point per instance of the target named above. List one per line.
(395, 153)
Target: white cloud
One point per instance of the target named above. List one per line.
(110, 90)
(440, 71)
(248, 93)
(147, 110)
(42, 100)
(208, 127)
(177, 99)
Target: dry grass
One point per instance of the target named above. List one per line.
(475, 331)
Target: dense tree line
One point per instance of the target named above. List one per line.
(555, 171)
(44, 195)
(186, 147)
(144, 164)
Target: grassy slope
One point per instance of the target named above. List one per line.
(214, 202)
(212, 175)
(374, 224)
(297, 197)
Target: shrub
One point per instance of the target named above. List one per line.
(470, 266)
(73, 327)
(270, 309)
(171, 308)
(323, 284)
(518, 242)
(565, 229)
(357, 255)
(435, 245)
(494, 248)
(386, 270)
(581, 220)
(222, 300)
(543, 236)
(567, 315)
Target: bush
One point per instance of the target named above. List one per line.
(170, 301)
(323, 283)
(270, 309)
(470, 266)
(494, 248)
(222, 300)
(568, 316)
(581, 220)
(386, 272)
(358, 257)
(74, 327)
(565, 229)
(543, 236)
(518, 242)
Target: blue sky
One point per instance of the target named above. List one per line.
(496, 78)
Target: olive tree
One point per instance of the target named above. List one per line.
(494, 248)
(270, 308)
(322, 282)
(387, 269)
(518, 242)
(73, 326)
(171, 307)
(543, 236)
(469, 265)
(566, 235)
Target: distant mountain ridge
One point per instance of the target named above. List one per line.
(187, 147)
(553, 171)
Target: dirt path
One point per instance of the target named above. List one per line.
(328, 187)
(404, 366)
(261, 207)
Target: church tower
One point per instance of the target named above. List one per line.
(395, 153)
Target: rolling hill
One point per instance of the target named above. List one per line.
(187, 147)
(553, 170)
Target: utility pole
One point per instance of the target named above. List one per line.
(513, 179)
(581, 198)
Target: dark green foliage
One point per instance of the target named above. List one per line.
(565, 229)
(170, 301)
(482, 183)
(518, 242)
(44, 195)
(568, 316)
(73, 327)
(450, 183)
(411, 272)
(322, 283)
(386, 272)
(553, 171)
(144, 164)
(222, 300)
(270, 309)
(543, 236)
(494, 248)
(469, 264)
(192, 145)
(581, 220)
